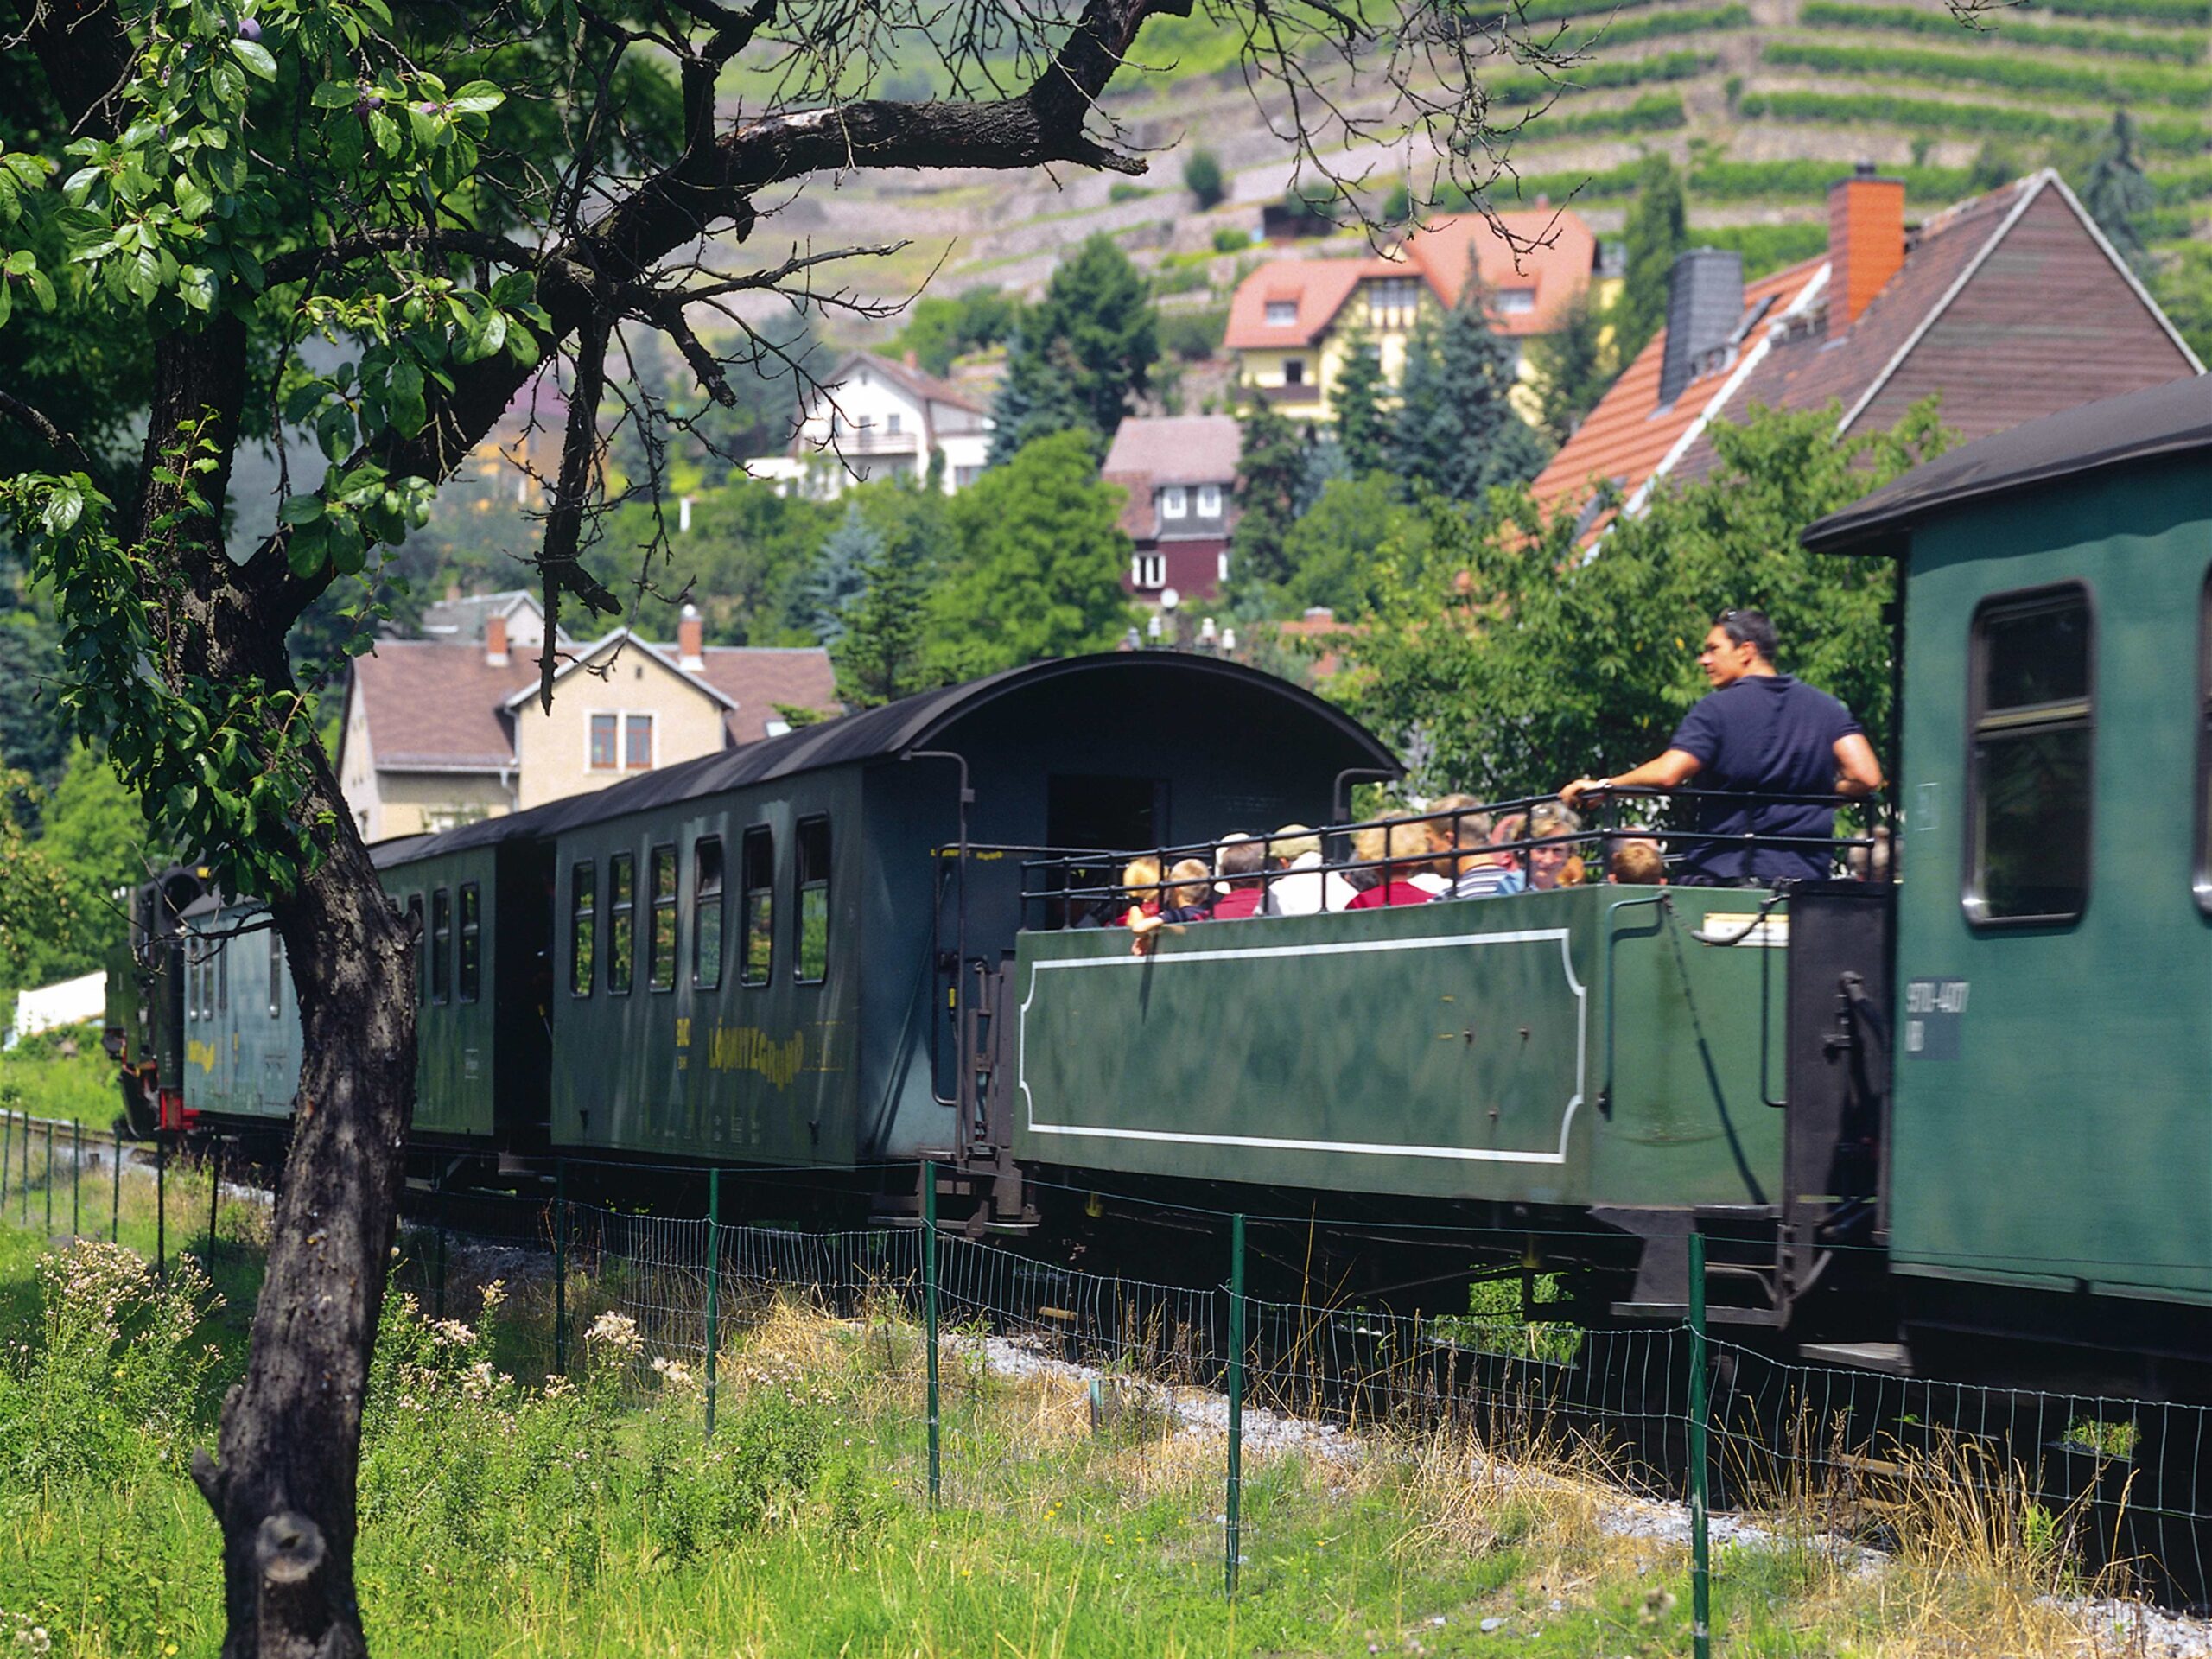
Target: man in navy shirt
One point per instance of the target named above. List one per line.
(1757, 733)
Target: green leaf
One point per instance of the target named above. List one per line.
(42, 290)
(192, 201)
(20, 263)
(256, 58)
(403, 395)
(334, 95)
(476, 97)
(11, 201)
(301, 510)
(196, 287)
(63, 507)
(304, 550)
(334, 429)
(384, 131)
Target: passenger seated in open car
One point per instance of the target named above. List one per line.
(1486, 870)
(1186, 894)
(1242, 889)
(1395, 850)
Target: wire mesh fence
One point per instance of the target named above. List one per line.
(2090, 1485)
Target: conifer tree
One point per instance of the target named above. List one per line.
(1457, 431)
(1083, 355)
(880, 654)
(1658, 229)
(2116, 193)
(838, 575)
(1271, 482)
(1362, 424)
(1575, 364)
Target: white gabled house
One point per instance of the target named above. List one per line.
(876, 418)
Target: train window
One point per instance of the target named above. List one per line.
(422, 944)
(222, 980)
(276, 973)
(191, 987)
(660, 961)
(2028, 813)
(583, 926)
(759, 873)
(441, 946)
(471, 941)
(707, 912)
(621, 922)
(813, 964)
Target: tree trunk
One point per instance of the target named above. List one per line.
(284, 1487)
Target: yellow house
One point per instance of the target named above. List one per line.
(1293, 320)
(445, 731)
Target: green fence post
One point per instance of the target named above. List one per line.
(115, 1196)
(929, 1309)
(1235, 1505)
(1701, 1556)
(24, 1186)
(560, 1267)
(50, 1178)
(713, 1286)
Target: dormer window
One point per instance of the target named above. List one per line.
(1174, 502)
(1209, 500)
(1283, 314)
(1514, 302)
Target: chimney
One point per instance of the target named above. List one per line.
(1705, 303)
(690, 637)
(1865, 241)
(913, 359)
(495, 643)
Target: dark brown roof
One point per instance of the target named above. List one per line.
(757, 679)
(435, 705)
(1149, 452)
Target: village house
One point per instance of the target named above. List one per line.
(872, 417)
(448, 729)
(1292, 320)
(2012, 306)
(1180, 475)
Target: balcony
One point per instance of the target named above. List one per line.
(1305, 392)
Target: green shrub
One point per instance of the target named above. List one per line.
(1653, 113)
(2179, 48)
(1643, 25)
(1838, 109)
(1527, 87)
(1229, 239)
(1193, 335)
(2153, 11)
(1122, 190)
(1766, 247)
(1201, 177)
(2013, 71)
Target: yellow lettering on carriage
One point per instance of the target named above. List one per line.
(200, 1054)
(747, 1048)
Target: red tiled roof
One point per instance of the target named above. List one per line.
(2008, 305)
(757, 679)
(1556, 255)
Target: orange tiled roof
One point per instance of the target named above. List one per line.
(1318, 288)
(1557, 254)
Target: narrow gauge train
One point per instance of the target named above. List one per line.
(1966, 1111)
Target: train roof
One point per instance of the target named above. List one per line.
(2170, 420)
(878, 734)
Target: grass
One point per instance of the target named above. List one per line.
(506, 1513)
(39, 1078)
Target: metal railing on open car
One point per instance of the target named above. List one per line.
(1080, 887)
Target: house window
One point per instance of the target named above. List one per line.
(1514, 302)
(759, 872)
(1293, 372)
(1391, 301)
(2028, 802)
(422, 942)
(636, 742)
(583, 926)
(1174, 502)
(1209, 500)
(813, 964)
(1283, 314)
(964, 476)
(621, 922)
(471, 941)
(1148, 570)
(660, 958)
(441, 951)
(602, 742)
(891, 422)
(707, 912)
(1221, 566)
